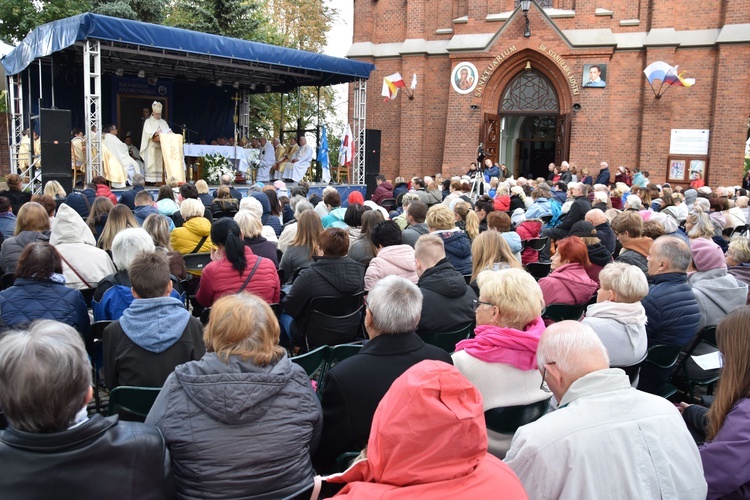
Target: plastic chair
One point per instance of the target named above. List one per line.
(344, 461)
(88, 295)
(538, 270)
(314, 362)
(688, 371)
(195, 262)
(388, 203)
(507, 420)
(332, 320)
(132, 403)
(665, 357)
(535, 244)
(94, 349)
(7, 280)
(337, 354)
(219, 214)
(447, 341)
(562, 312)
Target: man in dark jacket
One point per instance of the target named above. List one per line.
(127, 198)
(383, 191)
(51, 449)
(416, 212)
(155, 334)
(353, 388)
(331, 275)
(671, 308)
(81, 201)
(577, 212)
(603, 177)
(628, 227)
(447, 299)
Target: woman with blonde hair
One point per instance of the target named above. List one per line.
(299, 254)
(698, 225)
(120, 217)
(244, 418)
(725, 451)
(224, 201)
(55, 190)
(98, 215)
(491, 251)
(466, 219)
(32, 225)
(441, 220)
(157, 226)
(203, 195)
(501, 359)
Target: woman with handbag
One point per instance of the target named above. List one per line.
(234, 268)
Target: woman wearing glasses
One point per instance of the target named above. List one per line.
(501, 360)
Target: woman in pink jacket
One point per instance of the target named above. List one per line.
(569, 284)
(429, 440)
(393, 257)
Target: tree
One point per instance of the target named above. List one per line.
(151, 11)
(302, 24)
(19, 17)
(242, 19)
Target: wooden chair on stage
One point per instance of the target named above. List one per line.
(342, 171)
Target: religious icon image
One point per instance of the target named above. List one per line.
(677, 170)
(595, 75)
(464, 77)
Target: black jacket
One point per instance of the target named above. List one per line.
(447, 299)
(607, 236)
(577, 212)
(16, 198)
(127, 198)
(353, 388)
(516, 202)
(75, 201)
(126, 363)
(74, 463)
(599, 255)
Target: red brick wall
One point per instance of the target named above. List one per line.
(622, 124)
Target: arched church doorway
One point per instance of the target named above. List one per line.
(528, 132)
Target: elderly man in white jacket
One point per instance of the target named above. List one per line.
(606, 439)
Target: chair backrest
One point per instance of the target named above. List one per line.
(340, 353)
(447, 341)
(507, 420)
(536, 244)
(538, 270)
(344, 461)
(546, 219)
(7, 280)
(97, 329)
(313, 362)
(562, 312)
(88, 295)
(132, 403)
(196, 261)
(388, 203)
(663, 356)
(632, 371)
(333, 320)
(223, 213)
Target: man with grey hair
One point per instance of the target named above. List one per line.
(113, 293)
(606, 439)
(353, 388)
(672, 311)
(51, 448)
(226, 180)
(299, 204)
(406, 200)
(127, 198)
(447, 299)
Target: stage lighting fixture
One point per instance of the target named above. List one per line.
(252, 86)
(219, 82)
(152, 80)
(119, 72)
(236, 84)
(268, 88)
(141, 74)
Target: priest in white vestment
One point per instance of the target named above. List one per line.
(267, 160)
(150, 147)
(120, 151)
(301, 160)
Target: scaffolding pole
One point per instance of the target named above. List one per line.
(92, 95)
(360, 125)
(15, 104)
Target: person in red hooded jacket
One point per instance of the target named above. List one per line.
(429, 440)
(102, 189)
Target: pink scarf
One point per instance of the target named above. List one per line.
(494, 344)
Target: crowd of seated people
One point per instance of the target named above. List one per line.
(238, 415)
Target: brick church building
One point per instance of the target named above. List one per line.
(573, 89)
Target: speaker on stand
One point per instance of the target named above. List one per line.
(372, 159)
(54, 131)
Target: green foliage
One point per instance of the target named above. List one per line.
(19, 17)
(235, 18)
(747, 163)
(4, 101)
(148, 11)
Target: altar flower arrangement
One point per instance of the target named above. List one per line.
(215, 166)
(252, 156)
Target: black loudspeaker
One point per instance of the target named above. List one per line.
(54, 130)
(372, 151)
(371, 184)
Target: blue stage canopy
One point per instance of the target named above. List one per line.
(132, 41)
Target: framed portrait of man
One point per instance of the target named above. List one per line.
(595, 75)
(464, 77)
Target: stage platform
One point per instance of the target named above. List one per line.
(315, 188)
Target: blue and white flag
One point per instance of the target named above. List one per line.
(323, 156)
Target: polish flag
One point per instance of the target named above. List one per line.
(346, 150)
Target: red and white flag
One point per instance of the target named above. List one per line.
(391, 84)
(346, 151)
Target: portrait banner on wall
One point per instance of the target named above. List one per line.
(676, 170)
(697, 167)
(595, 75)
(464, 77)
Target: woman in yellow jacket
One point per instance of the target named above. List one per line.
(195, 234)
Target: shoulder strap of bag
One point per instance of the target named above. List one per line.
(75, 271)
(255, 268)
(200, 244)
